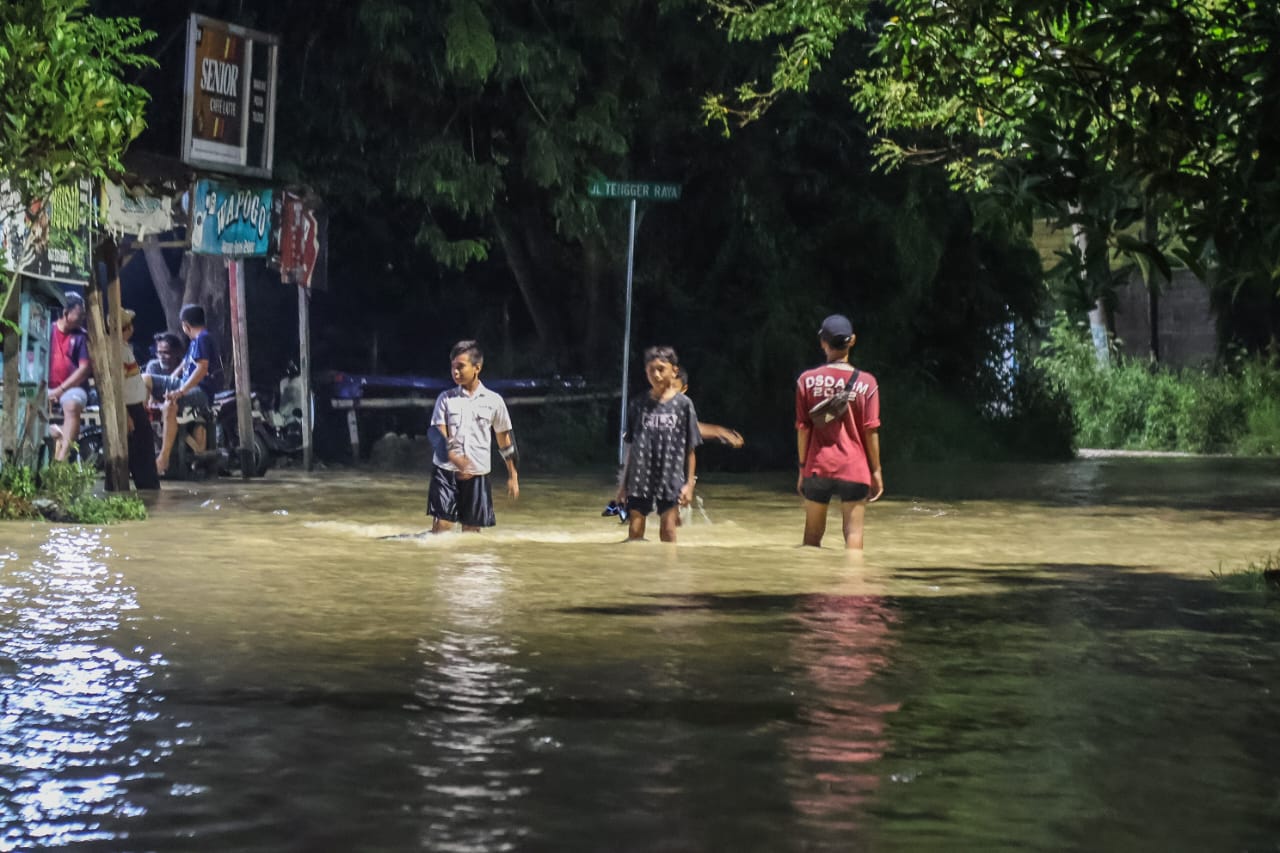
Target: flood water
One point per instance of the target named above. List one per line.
(1027, 658)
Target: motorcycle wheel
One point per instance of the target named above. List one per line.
(260, 452)
(89, 449)
(261, 456)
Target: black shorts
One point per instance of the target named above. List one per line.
(822, 489)
(644, 506)
(468, 501)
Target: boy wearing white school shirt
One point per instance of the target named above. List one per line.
(461, 426)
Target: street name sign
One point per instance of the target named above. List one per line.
(640, 190)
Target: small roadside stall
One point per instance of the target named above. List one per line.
(45, 246)
(38, 300)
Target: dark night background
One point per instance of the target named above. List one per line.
(454, 170)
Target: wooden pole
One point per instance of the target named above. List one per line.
(106, 350)
(304, 367)
(9, 417)
(118, 455)
(240, 355)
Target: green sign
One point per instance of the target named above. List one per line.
(640, 190)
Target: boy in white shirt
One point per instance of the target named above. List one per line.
(460, 437)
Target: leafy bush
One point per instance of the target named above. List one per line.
(18, 481)
(64, 483)
(64, 488)
(1132, 404)
(91, 510)
(14, 507)
(1255, 577)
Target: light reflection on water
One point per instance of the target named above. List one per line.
(1028, 657)
(71, 695)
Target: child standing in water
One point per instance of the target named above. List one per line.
(461, 424)
(837, 437)
(658, 471)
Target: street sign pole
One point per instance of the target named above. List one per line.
(632, 191)
(626, 333)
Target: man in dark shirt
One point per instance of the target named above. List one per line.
(169, 350)
(192, 385)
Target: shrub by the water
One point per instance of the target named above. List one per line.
(1257, 576)
(1132, 404)
(17, 489)
(62, 492)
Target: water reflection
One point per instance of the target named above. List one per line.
(1014, 671)
(843, 643)
(472, 732)
(71, 692)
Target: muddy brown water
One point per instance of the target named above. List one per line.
(1027, 657)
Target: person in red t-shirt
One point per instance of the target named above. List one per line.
(69, 370)
(837, 437)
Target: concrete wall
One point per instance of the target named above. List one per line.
(1185, 321)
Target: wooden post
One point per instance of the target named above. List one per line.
(240, 356)
(304, 367)
(9, 417)
(106, 350)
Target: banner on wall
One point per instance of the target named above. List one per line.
(48, 238)
(230, 220)
(136, 212)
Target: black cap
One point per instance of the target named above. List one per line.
(836, 329)
(72, 298)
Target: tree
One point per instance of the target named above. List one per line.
(1097, 114)
(471, 129)
(65, 115)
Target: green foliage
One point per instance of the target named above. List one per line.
(64, 483)
(13, 507)
(17, 489)
(65, 112)
(1133, 405)
(105, 510)
(1097, 115)
(18, 480)
(470, 48)
(1257, 576)
(67, 486)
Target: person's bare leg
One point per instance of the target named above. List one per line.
(669, 521)
(853, 515)
(635, 526)
(815, 523)
(439, 525)
(70, 431)
(169, 414)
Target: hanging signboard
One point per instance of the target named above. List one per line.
(230, 220)
(136, 213)
(299, 240)
(229, 103)
(48, 238)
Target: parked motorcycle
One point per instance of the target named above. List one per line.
(277, 433)
(262, 445)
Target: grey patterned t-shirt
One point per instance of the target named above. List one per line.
(660, 435)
